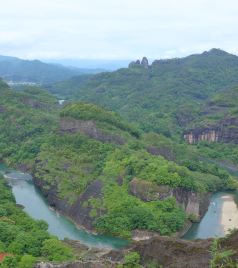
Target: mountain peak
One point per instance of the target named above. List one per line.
(217, 52)
(143, 63)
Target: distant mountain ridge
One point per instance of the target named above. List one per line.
(164, 96)
(35, 71)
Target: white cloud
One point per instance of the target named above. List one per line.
(116, 29)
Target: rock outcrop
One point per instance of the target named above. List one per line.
(144, 63)
(174, 253)
(78, 211)
(195, 136)
(162, 251)
(192, 202)
(88, 128)
(226, 131)
(134, 64)
(81, 213)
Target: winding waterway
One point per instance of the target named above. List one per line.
(35, 205)
(221, 216)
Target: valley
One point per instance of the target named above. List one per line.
(141, 151)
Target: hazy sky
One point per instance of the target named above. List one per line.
(124, 29)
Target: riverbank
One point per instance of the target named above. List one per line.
(224, 218)
(27, 195)
(222, 215)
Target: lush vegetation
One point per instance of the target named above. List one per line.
(163, 101)
(165, 97)
(126, 213)
(68, 163)
(71, 162)
(170, 97)
(24, 239)
(224, 251)
(220, 107)
(26, 119)
(87, 111)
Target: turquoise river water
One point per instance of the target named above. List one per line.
(35, 205)
(221, 216)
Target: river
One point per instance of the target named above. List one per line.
(221, 216)
(35, 205)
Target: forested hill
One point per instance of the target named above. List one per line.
(35, 71)
(164, 96)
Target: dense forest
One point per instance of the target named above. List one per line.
(166, 96)
(171, 97)
(113, 158)
(26, 240)
(71, 149)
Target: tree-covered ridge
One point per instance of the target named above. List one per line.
(88, 111)
(24, 239)
(84, 173)
(26, 119)
(165, 97)
(35, 71)
(220, 107)
(219, 114)
(65, 89)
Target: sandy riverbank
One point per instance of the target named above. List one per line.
(229, 215)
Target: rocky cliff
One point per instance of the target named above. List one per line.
(225, 131)
(174, 253)
(193, 203)
(77, 211)
(144, 63)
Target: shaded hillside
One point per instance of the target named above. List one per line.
(166, 96)
(35, 71)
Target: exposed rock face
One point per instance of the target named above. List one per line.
(78, 212)
(210, 135)
(163, 251)
(134, 64)
(174, 253)
(88, 128)
(193, 203)
(144, 63)
(227, 131)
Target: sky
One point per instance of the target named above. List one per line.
(116, 29)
